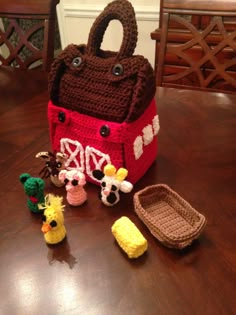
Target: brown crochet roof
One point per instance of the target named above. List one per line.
(115, 86)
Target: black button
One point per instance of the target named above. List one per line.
(61, 116)
(118, 69)
(104, 131)
(77, 62)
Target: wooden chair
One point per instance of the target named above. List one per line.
(22, 22)
(195, 44)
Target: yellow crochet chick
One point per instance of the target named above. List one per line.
(129, 237)
(53, 219)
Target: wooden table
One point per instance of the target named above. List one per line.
(88, 273)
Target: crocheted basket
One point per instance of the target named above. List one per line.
(102, 107)
(171, 219)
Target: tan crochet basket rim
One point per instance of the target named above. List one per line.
(170, 218)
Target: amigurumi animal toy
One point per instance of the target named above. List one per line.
(112, 182)
(34, 189)
(53, 219)
(54, 163)
(74, 180)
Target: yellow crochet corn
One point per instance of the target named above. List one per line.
(129, 237)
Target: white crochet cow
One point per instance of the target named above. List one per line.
(111, 183)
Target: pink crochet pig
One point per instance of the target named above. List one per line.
(74, 181)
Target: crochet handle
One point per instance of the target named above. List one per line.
(122, 11)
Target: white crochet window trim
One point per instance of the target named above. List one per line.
(156, 124)
(138, 147)
(147, 134)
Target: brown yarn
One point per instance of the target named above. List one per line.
(120, 10)
(92, 88)
(171, 219)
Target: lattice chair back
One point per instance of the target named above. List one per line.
(27, 33)
(195, 45)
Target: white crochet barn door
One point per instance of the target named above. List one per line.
(84, 159)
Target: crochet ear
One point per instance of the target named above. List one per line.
(44, 155)
(23, 177)
(62, 175)
(61, 156)
(98, 174)
(126, 186)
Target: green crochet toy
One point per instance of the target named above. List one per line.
(34, 189)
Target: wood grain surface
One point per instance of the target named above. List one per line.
(88, 273)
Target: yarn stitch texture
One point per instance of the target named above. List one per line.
(102, 102)
(34, 189)
(170, 218)
(88, 84)
(129, 238)
(53, 226)
(74, 180)
(79, 137)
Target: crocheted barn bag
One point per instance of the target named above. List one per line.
(102, 108)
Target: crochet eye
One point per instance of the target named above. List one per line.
(74, 182)
(47, 164)
(44, 218)
(66, 181)
(118, 69)
(103, 184)
(113, 187)
(53, 223)
(77, 62)
(58, 164)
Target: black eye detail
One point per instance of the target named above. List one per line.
(53, 223)
(77, 62)
(58, 164)
(47, 164)
(113, 187)
(74, 182)
(104, 131)
(66, 181)
(103, 184)
(118, 69)
(44, 218)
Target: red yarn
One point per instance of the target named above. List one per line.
(82, 132)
